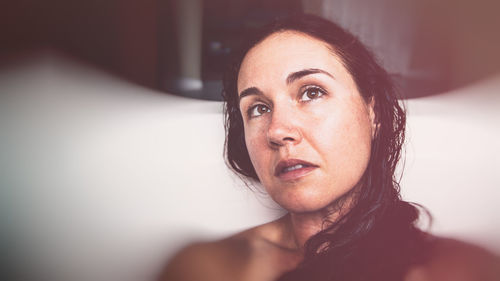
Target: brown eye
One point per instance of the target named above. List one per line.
(312, 93)
(258, 110)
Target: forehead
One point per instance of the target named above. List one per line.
(284, 52)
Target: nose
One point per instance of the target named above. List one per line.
(283, 130)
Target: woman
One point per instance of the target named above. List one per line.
(313, 118)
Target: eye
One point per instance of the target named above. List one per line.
(312, 93)
(258, 110)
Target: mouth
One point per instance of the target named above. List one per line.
(293, 169)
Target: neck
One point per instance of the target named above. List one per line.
(302, 226)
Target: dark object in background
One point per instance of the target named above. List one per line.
(224, 21)
(195, 60)
(450, 43)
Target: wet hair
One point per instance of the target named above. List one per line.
(376, 239)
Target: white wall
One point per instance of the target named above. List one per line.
(103, 180)
(453, 160)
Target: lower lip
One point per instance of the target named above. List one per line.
(296, 174)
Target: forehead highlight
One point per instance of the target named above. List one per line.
(275, 42)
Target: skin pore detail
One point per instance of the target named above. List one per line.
(324, 143)
(289, 80)
(299, 102)
(308, 132)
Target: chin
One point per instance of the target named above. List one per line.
(303, 201)
(307, 200)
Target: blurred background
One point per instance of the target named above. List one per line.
(180, 46)
(111, 125)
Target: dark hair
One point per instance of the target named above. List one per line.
(377, 238)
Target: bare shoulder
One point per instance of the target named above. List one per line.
(209, 261)
(248, 255)
(455, 260)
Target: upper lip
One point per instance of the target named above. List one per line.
(290, 162)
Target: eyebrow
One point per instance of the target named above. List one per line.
(290, 79)
(299, 74)
(250, 91)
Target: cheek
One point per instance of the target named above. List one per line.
(346, 141)
(257, 148)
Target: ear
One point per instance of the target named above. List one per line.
(373, 118)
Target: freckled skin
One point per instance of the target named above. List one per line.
(333, 131)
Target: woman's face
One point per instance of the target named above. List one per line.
(308, 130)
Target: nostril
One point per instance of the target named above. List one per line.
(273, 143)
(280, 134)
(282, 141)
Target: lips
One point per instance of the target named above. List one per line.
(293, 168)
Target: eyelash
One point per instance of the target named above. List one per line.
(252, 108)
(304, 91)
(318, 89)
